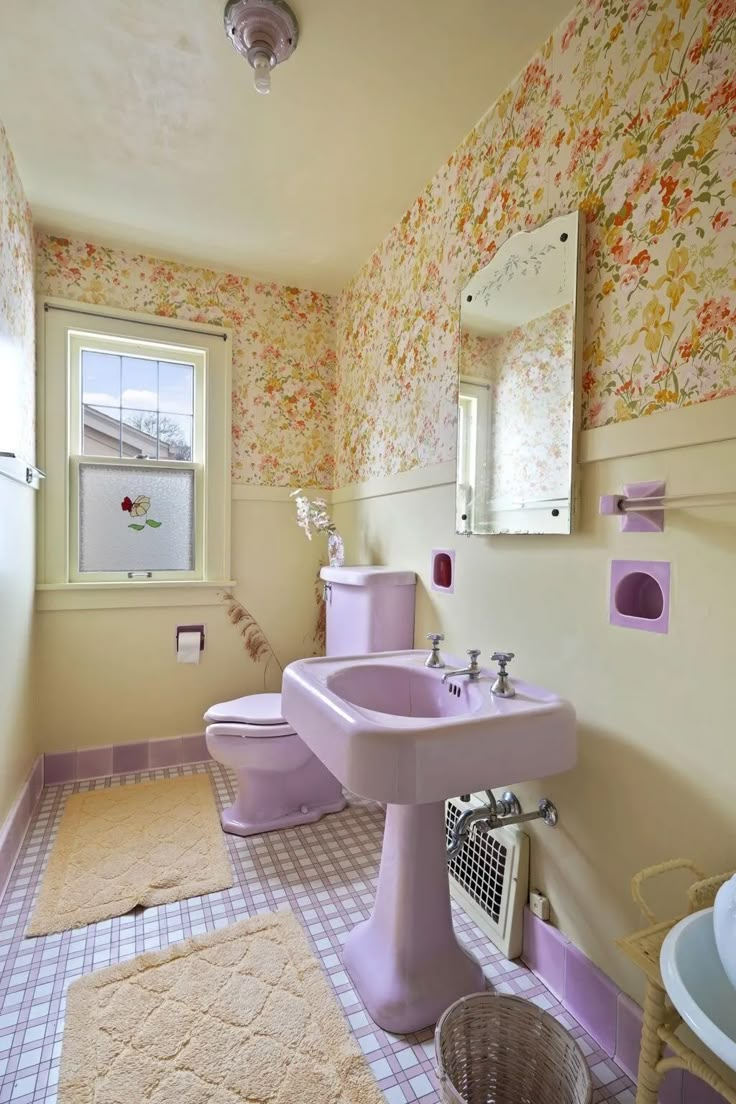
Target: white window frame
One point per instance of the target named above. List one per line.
(474, 420)
(64, 329)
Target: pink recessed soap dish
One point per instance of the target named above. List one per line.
(640, 595)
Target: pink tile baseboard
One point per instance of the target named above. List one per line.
(14, 828)
(544, 952)
(75, 766)
(130, 758)
(60, 767)
(94, 762)
(165, 753)
(628, 1035)
(591, 997)
(595, 1001)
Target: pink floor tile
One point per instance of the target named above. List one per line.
(325, 872)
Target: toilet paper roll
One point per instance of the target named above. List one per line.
(187, 648)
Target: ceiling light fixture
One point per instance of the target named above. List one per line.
(265, 32)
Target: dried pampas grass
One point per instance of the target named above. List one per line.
(255, 641)
(320, 629)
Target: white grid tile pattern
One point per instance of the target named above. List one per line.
(324, 872)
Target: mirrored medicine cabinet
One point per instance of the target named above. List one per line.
(520, 321)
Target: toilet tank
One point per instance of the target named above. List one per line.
(369, 609)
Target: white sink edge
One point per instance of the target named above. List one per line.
(699, 1022)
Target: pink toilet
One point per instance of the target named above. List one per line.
(280, 782)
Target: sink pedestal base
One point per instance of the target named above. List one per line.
(405, 960)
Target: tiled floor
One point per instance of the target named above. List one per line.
(325, 872)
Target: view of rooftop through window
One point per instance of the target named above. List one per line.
(136, 407)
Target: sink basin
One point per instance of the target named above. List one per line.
(697, 985)
(403, 690)
(390, 730)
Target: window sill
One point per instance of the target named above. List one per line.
(140, 595)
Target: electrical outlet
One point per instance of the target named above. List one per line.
(539, 904)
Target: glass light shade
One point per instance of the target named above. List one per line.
(262, 73)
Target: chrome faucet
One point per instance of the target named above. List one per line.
(434, 659)
(473, 671)
(502, 687)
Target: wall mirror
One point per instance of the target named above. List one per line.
(518, 390)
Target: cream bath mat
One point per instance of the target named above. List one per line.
(241, 1014)
(143, 844)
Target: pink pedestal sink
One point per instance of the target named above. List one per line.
(389, 729)
(405, 961)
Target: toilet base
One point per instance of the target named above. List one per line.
(271, 799)
(233, 823)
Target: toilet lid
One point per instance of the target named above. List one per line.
(255, 709)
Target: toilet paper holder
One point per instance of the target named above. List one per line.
(191, 629)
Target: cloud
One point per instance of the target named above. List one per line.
(140, 398)
(137, 398)
(99, 398)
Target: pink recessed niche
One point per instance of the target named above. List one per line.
(640, 595)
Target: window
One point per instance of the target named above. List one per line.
(473, 414)
(136, 419)
(139, 405)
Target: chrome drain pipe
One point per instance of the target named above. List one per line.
(498, 812)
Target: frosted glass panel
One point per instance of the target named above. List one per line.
(135, 519)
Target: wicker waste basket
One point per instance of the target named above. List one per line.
(504, 1050)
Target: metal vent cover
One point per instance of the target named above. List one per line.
(490, 878)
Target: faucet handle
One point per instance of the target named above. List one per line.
(473, 653)
(502, 687)
(435, 637)
(502, 658)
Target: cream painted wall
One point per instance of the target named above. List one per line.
(656, 740)
(111, 676)
(17, 581)
(17, 501)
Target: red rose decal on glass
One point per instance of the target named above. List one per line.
(139, 507)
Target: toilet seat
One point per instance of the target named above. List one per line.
(252, 716)
(251, 731)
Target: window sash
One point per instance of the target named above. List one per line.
(77, 576)
(83, 340)
(147, 350)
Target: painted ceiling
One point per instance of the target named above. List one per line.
(135, 123)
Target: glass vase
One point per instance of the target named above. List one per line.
(335, 549)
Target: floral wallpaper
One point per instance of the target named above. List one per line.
(283, 348)
(17, 341)
(628, 112)
(529, 372)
